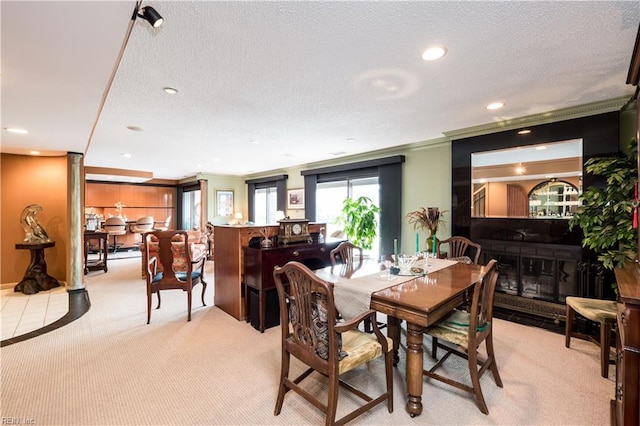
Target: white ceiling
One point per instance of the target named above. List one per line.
(300, 78)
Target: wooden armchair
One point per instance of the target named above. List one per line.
(311, 333)
(467, 330)
(197, 245)
(172, 266)
(461, 249)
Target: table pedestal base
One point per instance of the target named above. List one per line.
(414, 369)
(36, 277)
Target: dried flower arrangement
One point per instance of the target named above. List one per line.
(427, 218)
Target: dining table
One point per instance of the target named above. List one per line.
(420, 299)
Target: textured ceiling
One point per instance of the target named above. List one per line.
(267, 85)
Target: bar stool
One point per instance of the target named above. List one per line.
(115, 226)
(596, 310)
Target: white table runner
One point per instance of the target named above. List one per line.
(353, 296)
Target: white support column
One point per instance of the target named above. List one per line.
(75, 272)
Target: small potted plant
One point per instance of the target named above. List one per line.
(429, 218)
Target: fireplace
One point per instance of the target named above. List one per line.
(541, 261)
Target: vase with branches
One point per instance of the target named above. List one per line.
(429, 218)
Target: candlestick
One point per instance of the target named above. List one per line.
(395, 251)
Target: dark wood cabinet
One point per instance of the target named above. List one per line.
(229, 274)
(625, 407)
(258, 274)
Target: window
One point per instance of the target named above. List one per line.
(265, 205)
(191, 202)
(388, 174)
(330, 195)
(266, 196)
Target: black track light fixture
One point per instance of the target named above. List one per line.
(150, 14)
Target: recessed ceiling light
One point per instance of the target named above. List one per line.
(199, 166)
(255, 142)
(170, 90)
(351, 140)
(126, 155)
(135, 128)
(524, 132)
(541, 147)
(16, 130)
(520, 170)
(34, 152)
(336, 153)
(433, 53)
(495, 105)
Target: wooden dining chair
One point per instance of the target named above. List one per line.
(171, 266)
(467, 330)
(312, 334)
(347, 254)
(351, 258)
(461, 249)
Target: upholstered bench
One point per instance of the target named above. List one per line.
(596, 310)
(197, 243)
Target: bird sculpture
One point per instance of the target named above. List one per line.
(34, 232)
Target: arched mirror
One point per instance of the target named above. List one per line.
(553, 198)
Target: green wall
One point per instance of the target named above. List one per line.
(426, 172)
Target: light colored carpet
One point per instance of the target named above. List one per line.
(109, 367)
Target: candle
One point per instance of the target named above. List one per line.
(395, 251)
(417, 243)
(434, 245)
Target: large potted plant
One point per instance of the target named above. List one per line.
(430, 218)
(360, 221)
(606, 214)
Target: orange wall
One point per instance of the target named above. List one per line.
(33, 180)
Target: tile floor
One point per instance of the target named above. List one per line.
(22, 313)
(25, 316)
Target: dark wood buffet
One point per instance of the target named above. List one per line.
(229, 265)
(625, 408)
(258, 276)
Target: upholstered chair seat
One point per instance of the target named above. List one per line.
(596, 310)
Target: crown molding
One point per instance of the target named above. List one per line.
(579, 111)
